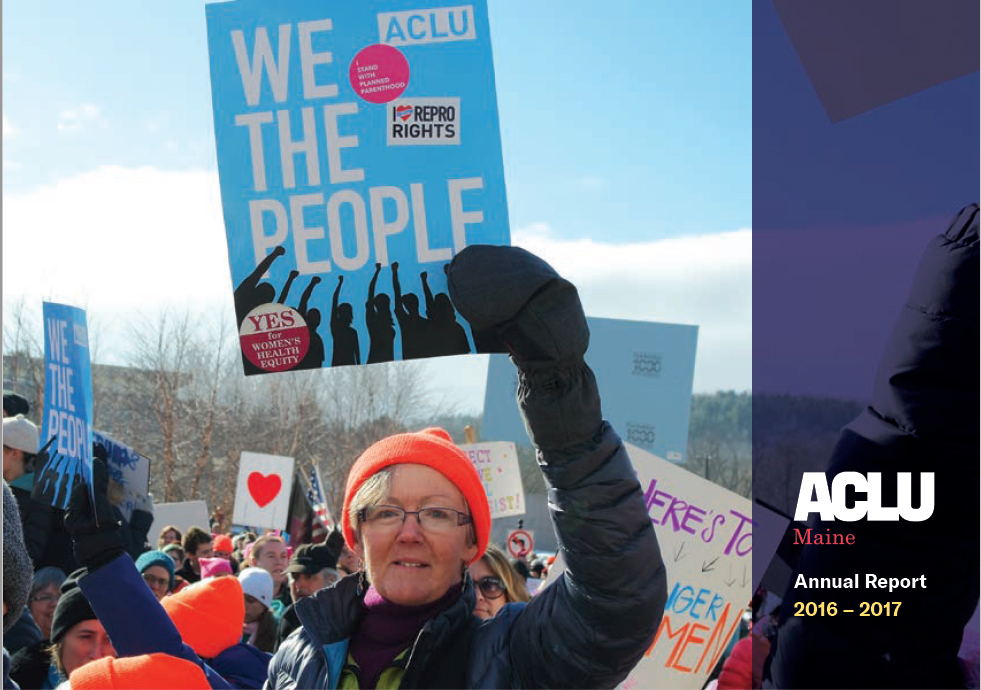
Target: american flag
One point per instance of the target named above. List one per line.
(322, 521)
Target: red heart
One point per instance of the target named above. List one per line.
(264, 488)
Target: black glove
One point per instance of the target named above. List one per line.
(509, 294)
(96, 534)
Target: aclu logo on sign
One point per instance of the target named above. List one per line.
(642, 435)
(832, 504)
(424, 122)
(647, 364)
(437, 25)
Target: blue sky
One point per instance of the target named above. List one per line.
(623, 127)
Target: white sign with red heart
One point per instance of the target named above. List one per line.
(262, 496)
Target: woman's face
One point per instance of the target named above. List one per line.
(274, 559)
(170, 537)
(485, 607)
(84, 642)
(42, 607)
(405, 563)
(253, 609)
(157, 577)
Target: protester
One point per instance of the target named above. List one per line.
(312, 567)
(157, 570)
(14, 404)
(270, 553)
(137, 620)
(45, 592)
(77, 637)
(197, 545)
(176, 554)
(145, 672)
(169, 535)
(416, 514)
(222, 547)
(20, 447)
(16, 573)
(215, 567)
(923, 416)
(497, 583)
(259, 628)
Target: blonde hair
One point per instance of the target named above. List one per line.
(377, 489)
(514, 585)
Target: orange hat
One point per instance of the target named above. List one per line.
(222, 542)
(434, 448)
(146, 672)
(208, 615)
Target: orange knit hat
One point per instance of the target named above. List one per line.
(434, 448)
(146, 672)
(222, 542)
(208, 615)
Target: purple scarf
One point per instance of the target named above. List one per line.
(388, 629)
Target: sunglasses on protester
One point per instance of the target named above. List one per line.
(491, 587)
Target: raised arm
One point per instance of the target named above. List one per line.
(336, 300)
(397, 290)
(286, 288)
(593, 625)
(253, 278)
(141, 626)
(305, 299)
(371, 285)
(429, 293)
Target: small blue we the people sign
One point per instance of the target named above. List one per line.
(67, 403)
(358, 151)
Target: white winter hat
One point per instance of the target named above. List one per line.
(257, 583)
(19, 432)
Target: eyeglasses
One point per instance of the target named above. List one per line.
(491, 587)
(45, 599)
(155, 581)
(435, 520)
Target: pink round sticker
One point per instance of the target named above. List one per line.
(274, 337)
(379, 73)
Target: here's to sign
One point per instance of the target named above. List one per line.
(358, 151)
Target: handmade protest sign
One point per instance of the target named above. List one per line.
(708, 536)
(67, 403)
(644, 371)
(262, 495)
(127, 467)
(182, 515)
(358, 152)
(497, 464)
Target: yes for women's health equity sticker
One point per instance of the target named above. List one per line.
(342, 152)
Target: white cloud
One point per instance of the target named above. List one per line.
(704, 280)
(85, 116)
(118, 238)
(8, 129)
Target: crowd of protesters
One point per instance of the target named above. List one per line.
(406, 592)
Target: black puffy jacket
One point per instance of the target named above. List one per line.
(924, 417)
(588, 629)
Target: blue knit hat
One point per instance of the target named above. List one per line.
(156, 558)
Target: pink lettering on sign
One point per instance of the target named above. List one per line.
(379, 73)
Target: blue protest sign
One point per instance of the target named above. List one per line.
(644, 371)
(358, 151)
(67, 403)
